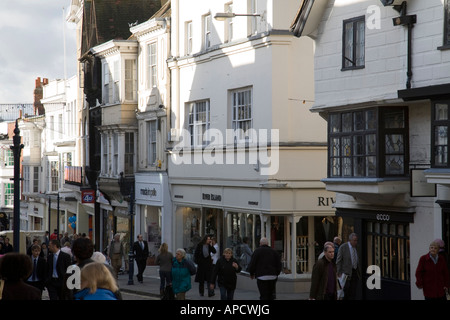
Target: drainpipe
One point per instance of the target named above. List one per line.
(408, 21)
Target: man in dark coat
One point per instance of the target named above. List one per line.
(324, 278)
(57, 264)
(202, 257)
(140, 251)
(265, 266)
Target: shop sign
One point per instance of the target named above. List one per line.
(383, 217)
(148, 192)
(87, 196)
(325, 201)
(211, 197)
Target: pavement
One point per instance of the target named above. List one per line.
(151, 282)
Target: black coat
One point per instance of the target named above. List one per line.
(204, 264)
(225, 273)
(265, 262)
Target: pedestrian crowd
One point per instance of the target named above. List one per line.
(336, 274)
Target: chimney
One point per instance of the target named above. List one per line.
(38, 95)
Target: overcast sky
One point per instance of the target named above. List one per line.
(32, 45)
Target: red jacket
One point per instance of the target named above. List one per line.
(432, 277)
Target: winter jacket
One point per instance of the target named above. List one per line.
(265, 262)
(319, 279)
(432, 277)
(225, 273)
(181, 275)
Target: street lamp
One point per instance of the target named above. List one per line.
(126, 185)
(16, 148)
(222, 16)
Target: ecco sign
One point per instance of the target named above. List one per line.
(383, 217)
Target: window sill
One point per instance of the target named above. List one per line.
(368, 185)
(353, 68)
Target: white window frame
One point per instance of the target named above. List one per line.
(152, 134)
(198, 125)
(207, 31)
(152, 65)
(106, 80)
(116, 79)
(35, 187)
(105, 155)
(115, 166)
(130, 79)
(129, 153)
(26, 179)
(9, 158)
(53, 175)
(8, 190)
(189, 37)
(242, 113)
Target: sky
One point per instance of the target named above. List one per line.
(33, 38)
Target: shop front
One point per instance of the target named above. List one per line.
(153, 211)
(296, 222)
(384, 242)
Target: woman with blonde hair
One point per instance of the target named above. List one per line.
(225, 272)
(97, 283)
(164, 260)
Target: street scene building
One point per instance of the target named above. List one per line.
(381, 79)
(295, 120)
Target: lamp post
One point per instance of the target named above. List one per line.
(221, 16)
(126, 185)
(16, 148)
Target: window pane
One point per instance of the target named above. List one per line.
(335, 147)
(394, 119)
(371, 116)
(371, 166)
(371, 144)
(358, 167)
(348, 42)
(360, 40)
(440, 155)
(394, 143)
(358, 145)
(441, 135)
(359, 120)
(335, 123)
(335, 167)
(440, 111)
(347, 122)
(395, 165)
(347, 167)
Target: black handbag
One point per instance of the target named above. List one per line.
(168, 293)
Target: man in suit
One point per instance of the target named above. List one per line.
(37, 277)
(348, 263)
(57, 264)
(140, 251)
